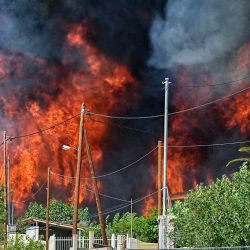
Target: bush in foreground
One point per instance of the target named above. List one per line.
(216, 215)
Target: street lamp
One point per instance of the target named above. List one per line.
(66, 147)
(77, 180)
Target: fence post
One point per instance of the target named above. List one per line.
(91, 239)
(121, 242)
(126, 243)
(132, 243)
(52, 242)
(170, 232)
(113, 245)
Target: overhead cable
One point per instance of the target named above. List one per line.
(172, 113)
(130, 117)
(170, 146)
(118, 125)
(216, 84)
(33, 195)
(208, 145)
(45, 129)
(110, 173)
(113, 209)
(209, 103)
(101, 194)
(108, 196)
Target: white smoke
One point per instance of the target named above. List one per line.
(197, 31)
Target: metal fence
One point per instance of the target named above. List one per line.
(64, 243)
(213, 248)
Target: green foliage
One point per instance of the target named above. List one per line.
(217, 215)
(59, 212)
(242, 159)
(145, 228)
(19, 244)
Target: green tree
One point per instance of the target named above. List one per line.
(242, 159)
(216, 215)
(145, 228)
(19, 244)
(59, 211)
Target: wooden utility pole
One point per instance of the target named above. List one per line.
(47, 209)
(97, 195)
(159, 178)
(9, 193)
(5, 183)
(78, 173)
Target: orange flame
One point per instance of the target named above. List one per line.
(99, 82)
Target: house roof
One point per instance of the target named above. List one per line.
(178, 196)
(51, 223)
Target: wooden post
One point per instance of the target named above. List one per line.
(9, 191)
(159, 178)
(78, 173)
(5, 183)
(47, 210)
(97, 196)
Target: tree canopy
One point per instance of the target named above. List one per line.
(59, 211)
(144, 227)
(216, 215)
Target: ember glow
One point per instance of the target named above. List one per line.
(53, 59)
(97, 81)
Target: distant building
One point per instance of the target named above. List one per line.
(35, 229)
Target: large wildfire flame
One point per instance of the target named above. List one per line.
(99, 82)
(103, 85)
(232, 115)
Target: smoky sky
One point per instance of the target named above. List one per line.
(150, 37)
(31, 29)
(194, 32)
(119, 28)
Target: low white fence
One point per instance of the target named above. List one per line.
(65, 243)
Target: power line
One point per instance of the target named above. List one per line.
(170, 146)
(207, 145)
(110, 211)
(118, 125)
(209, 103)
(108, 196)
(129, 117)
(125, 117)
(110, 173)
(114, 209)
(43, 130)
(38, 190)
(172, 113)
(101, 194)
(216, 84)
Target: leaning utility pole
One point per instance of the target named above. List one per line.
(159, 178)
(47, 209)
(163, 220)
(97, 195)
(5, 183)
(78, 173)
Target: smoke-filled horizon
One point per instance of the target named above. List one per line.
(113, 55)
